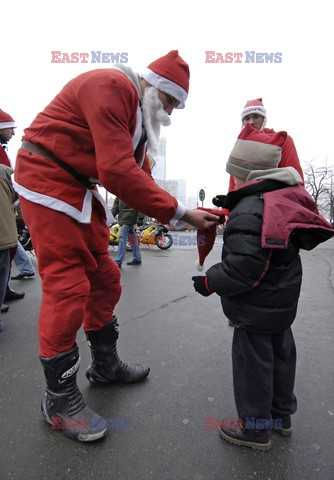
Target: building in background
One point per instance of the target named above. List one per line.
(191, 202)
(159, 167)
(176, 187)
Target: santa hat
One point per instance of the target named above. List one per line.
(170, 74)
(255, 150)
(256, 107)
(206, 238)
(6, 121)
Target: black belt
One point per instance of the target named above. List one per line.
(85, 181)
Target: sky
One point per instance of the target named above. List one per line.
(296, 91)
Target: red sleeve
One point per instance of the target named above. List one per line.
(146, 166)
(290, 157)
(111, 119)
(4, 160)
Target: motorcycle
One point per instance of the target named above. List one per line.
(148, 234)
(154, 234)
(25, 238)
(114, 232)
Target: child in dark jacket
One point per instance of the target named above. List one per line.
(259, 280)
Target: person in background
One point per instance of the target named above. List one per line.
(127, 218)
(22, 261)
(8, 237)
(255, 114)
(23, 264)
(7, 130)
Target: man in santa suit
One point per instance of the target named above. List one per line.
(255, 114)
(96, 130)
(7, 126)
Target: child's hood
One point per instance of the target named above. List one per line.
(287, 175)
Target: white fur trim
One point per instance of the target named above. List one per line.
(7, 125)
(83, 216)
(180, 211)
(167, 86)
(199, 267)
(257, 109)
(138, 132)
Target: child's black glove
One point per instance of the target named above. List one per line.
(201, 285)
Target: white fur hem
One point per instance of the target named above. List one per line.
(167, 86)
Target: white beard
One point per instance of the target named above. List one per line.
(154, 116)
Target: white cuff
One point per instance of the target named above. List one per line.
(180, 211)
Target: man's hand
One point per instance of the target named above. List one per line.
(200, 219)
(201, 285)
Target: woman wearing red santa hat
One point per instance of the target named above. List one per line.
(255, 114)
(96, 130)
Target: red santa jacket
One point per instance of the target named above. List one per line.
(94, 125)
(289, 158)
(4, 159)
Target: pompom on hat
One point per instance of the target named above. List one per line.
(255, 150)
(6, 121)
(170, 74)
(255, 107)
(206, 238)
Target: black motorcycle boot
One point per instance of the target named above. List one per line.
(256, 439)
(63, 405)
(107, 367)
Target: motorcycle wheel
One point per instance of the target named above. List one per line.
(26, 243)
(164, 241)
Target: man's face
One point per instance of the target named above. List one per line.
(168, 102)
(7, 133)
(254, 119)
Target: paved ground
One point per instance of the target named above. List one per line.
(186, 341)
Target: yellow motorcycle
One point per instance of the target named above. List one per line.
(155, 234)
(149, 234)
(114, 232)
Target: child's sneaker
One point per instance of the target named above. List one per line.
(286, 429)
(256, 439)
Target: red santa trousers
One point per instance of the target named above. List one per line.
(80, 281)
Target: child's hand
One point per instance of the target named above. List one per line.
(219, 200)
(201, 285)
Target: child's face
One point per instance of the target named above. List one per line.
(238, 182)
(254, 119)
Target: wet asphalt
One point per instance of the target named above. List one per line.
(158, 428)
